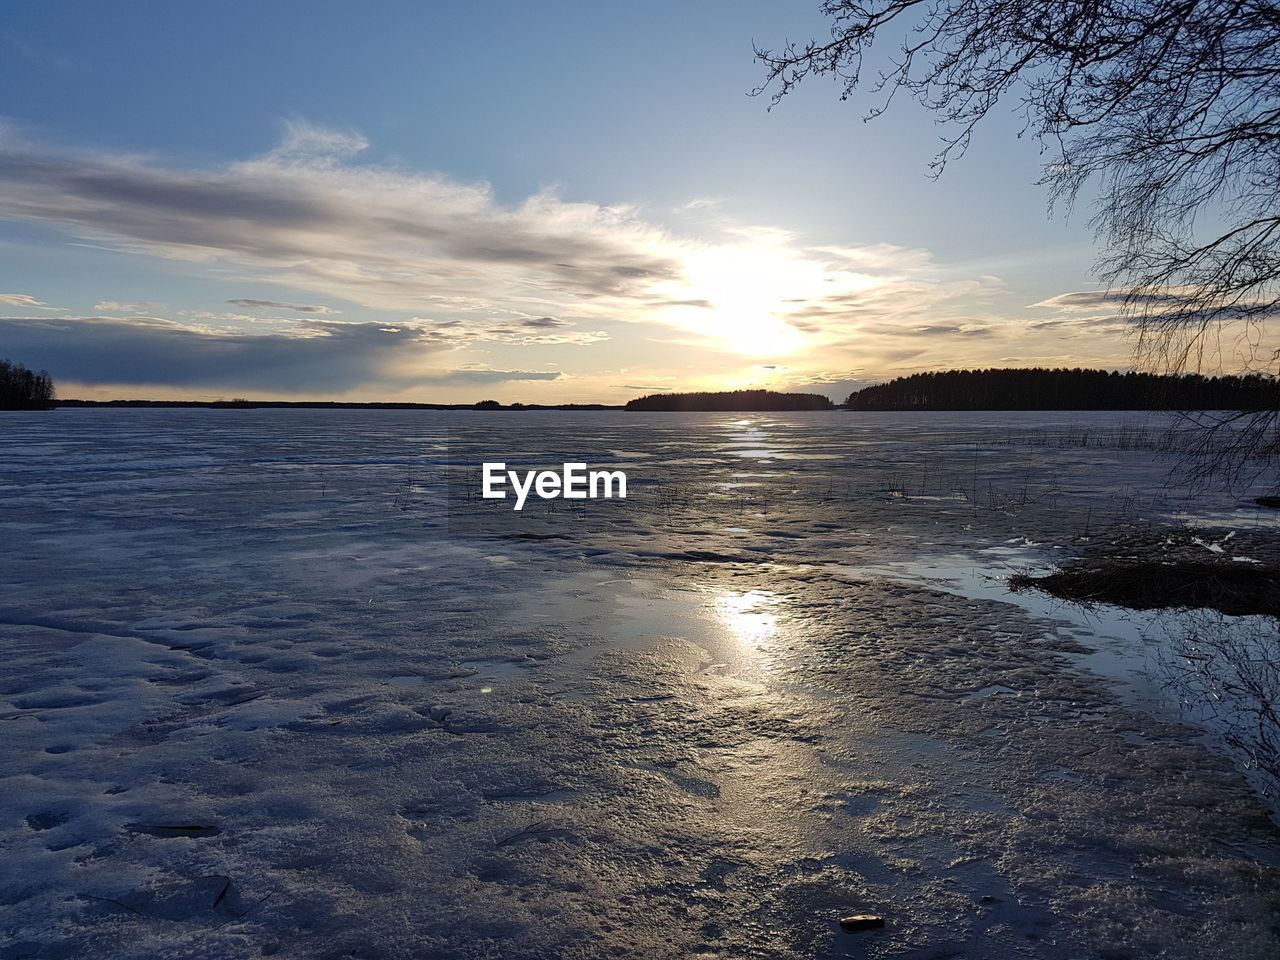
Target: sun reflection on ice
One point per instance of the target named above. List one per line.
(749, 440)
(751, 617)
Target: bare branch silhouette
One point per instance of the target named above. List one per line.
(1170, 110)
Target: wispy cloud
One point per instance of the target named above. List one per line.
(249, 304)
(700, 203)
(301, 216)
(531, 330)
(311, 145)
(23, 300)
(1088, 300)
(1096, 309)
(492, 376)
(115, 306)
(1083, 300)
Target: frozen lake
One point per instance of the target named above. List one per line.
(276, 684)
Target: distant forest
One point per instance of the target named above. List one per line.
(23, 389)
(243, 404)
(731, 400)
(1062, 389)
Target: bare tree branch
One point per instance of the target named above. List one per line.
(1168, 109)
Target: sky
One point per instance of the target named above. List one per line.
(450, 201)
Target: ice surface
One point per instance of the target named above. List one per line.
(269, 690)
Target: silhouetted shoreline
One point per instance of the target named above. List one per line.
(330, 405)
(730, 401)
(1008, 389)
(1038, 388)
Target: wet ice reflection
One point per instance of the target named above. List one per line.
(751, 617)
(748, 440)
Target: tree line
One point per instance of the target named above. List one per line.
(1063, 389)
(731, 400)
(23, 389)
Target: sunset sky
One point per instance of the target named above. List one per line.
(559, 201)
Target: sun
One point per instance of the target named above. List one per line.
(750, 296)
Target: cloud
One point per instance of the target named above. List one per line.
(317, 356)
(302, 216)
(281, 305)
(308, 356)
(306, 143)
(493, 376)
(897, 356)
(1102, 310)
(881, 256)
(641, 386)
(310, 216)
(826, 377)
(894, 302)
(700, 304)
(1128, 310)
(234, 317)
(114, 306)
(1085, 300)
(545, 330)
(1109, 321)
(22, 300)
(1123, 300)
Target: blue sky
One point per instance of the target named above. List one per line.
(447, 200)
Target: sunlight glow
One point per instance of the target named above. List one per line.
(747, 294)
(750, 617)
